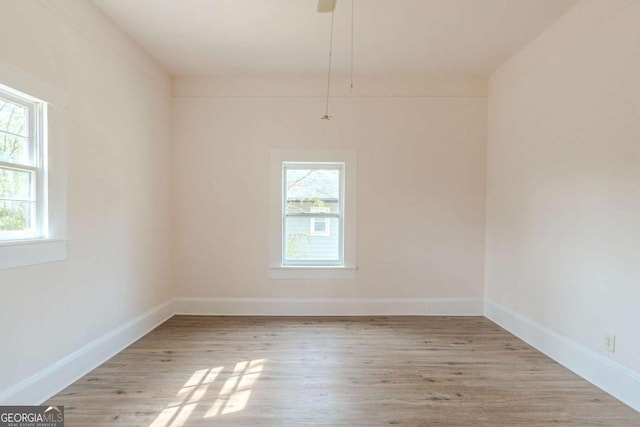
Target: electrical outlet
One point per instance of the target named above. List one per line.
(610, 343)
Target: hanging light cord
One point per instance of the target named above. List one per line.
(326, 112)
(352, 1)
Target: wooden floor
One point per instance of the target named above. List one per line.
(347, 371)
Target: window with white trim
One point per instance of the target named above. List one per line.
(23, 204)
(312, 214)
(33, 169)
(308, 189)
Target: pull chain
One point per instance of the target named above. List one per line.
(326, 112)
(352, 7)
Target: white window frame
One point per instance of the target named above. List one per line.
(50, 243)
(36, 166)
(279, 270)
(313, 222)
(337, 215)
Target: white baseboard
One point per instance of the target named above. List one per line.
(330, 306)
(47, 382)
(615, 379)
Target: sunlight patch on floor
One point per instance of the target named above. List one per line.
(237, 389)
(178, 411)
(233, 397)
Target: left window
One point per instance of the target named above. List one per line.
(23, 204)
(33, 169)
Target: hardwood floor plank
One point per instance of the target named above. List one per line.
(342, 371)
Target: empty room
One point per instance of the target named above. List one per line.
(319, 212)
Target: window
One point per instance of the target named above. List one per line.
(22, 166)
(33, 169)
(312, 210)
(312, 220)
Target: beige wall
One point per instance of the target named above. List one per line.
(420, 201)
(561, 198)
(563, 193)
(118, 167)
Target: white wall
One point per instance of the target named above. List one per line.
(562, 216)
(420, 201)
(118, 168)
(563, 193)
(562, 213)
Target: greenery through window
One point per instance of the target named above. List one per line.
(21, 165)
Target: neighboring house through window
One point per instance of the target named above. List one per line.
(320, 226)
(313, 213)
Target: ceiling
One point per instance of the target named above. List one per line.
(288, 37)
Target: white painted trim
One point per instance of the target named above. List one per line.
(615, 379)
(329, 306)
(303, 273)
(235, 86)
(21, 253)
(47, 382)
(54, 246)
(278, 157)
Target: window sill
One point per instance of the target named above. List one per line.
(22, 253)
(313, 272)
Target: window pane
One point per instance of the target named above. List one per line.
(312, 188)
(14, 149)
(15, 216)
(301, 245)
(13, 118)
(15, 184)
(319, 226)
